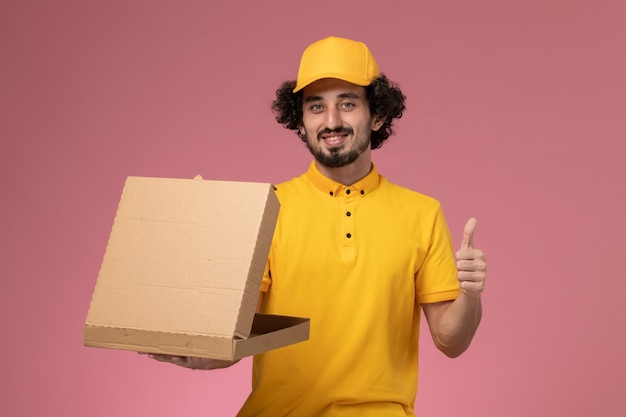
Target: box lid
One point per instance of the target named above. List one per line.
(185, 256)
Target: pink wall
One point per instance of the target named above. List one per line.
(516, 115)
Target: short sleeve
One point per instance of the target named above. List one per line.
(436, 280)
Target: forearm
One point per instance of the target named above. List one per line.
(457, 324)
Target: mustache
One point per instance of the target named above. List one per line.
(339, 130)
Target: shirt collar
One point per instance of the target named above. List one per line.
(363, 186)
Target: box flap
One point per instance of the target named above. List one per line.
(185, 256)
(271, 332)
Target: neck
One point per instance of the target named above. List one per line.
(349, 174)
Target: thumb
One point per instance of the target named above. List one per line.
(468, 234)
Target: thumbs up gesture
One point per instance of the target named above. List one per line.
(471, 262)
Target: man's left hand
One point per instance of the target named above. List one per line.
(471, 262)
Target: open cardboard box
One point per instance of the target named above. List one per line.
(182, 271)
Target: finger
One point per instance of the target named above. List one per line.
(471, 265)
(475, 287)
(472, 281)
(468, 234)
(167, 358)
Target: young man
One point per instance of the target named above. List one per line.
(356, 253)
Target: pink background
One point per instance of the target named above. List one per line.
(516, 115)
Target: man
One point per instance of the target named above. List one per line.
(356, 253)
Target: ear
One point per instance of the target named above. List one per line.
(377, 122)
(301, 131)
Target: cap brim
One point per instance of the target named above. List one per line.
(351, 79)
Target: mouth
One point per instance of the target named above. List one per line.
(334, 138)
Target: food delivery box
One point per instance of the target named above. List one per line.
(182, 271)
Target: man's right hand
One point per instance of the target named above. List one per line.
(191, 362)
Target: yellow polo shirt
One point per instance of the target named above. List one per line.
(358, 261)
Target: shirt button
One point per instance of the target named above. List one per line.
(348, 214)
(331, 193)
(348, 235)
(347, 191)
(362, 192)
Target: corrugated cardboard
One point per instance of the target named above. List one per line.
(182, 271)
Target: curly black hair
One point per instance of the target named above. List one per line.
(385, 99)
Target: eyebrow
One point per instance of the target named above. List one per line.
(342, 95)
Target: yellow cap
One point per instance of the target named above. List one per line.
(340, 58)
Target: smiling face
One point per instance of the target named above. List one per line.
(336, 122)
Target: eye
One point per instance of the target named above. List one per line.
(347, 105)
(316, 108)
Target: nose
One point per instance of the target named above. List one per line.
(333, 118)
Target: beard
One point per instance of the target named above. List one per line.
(337, 157)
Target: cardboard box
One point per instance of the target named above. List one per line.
(182, 271)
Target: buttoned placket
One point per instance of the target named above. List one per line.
(348, 201)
